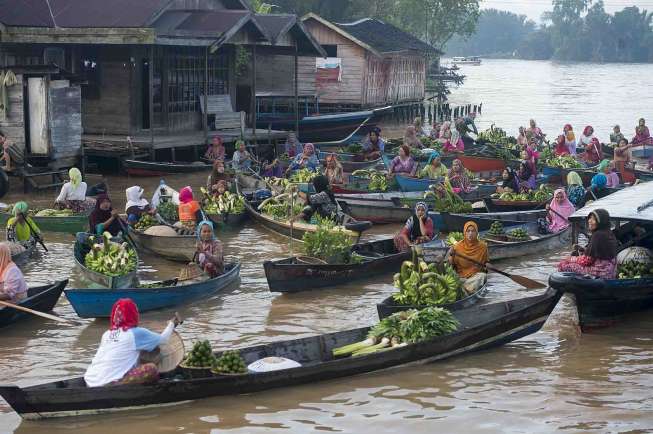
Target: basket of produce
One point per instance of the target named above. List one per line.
(376, 181)
(229, 363)
(110, 258)
(496, 232)
(517, 235)
(145, 222)
(199, 361)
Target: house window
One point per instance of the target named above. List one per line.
(331, 50)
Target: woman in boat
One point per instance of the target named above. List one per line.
(473, 275)
(586, 137)
(570, 139)
(411, 139)
(593, 152)
(419, 127)
(532, 155)
(306, 160)
(13, 287)
(293, 147)
(217, 174)
(607, 168)
(459, 178)
(333, 170)
(403, 163)
(116, 361)
(242, 159)
(575, 190)
(20, 227)
(435, 130)
(190, 211)
(599, 258)
(526, 177)
(419, 229)
(434, 168)
(73, 194)
(598, 187)
(522, 140)
(558, 213)
(622, 155)
(104, 218)
(616, 136)
(216, 150)
(642, 134)
(136, 205)
(272, 169)
(561, 148)
(510, 183)
(535, 131)
(455, 143)
(445, 132)
(374, 146)
(322, 202)
(209, 253)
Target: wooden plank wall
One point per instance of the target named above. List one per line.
(394, 80)
(65, 122)
(274, 73)
(14, 125)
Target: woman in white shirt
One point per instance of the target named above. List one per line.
(73, 194)
(12, 283)
(116, 361)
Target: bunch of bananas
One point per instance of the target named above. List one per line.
(302, 176)
(425, 285)
(278, 207)
(54, 213)
(146, 221)
(226, 203)
(378, 180)
(565, 162)
(109, 258)
(496, 135)
(454, 237)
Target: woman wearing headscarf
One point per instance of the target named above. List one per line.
(561, 148)
(190, 211)
(526, 177)
(322, 202)
(598, 187)
(558, 213)
(216, 150)
(435, 130)
(20, 227)
(217, 174)
(599, 258)
(607, 168)
(434, 168)
(458, 177)
(411, 139)
(403, 163)
(593, 152)
(575, 190)
(622, 157)
(418, 229)
(454, 143)
(535, 131)
(104, 218)
(293, 147)
(219, 189)
(570, 139)
(306, 160)
(136, 205)
(242, 159)
(532, 155)
(473, 275)
(586, 137)
(419, 126)
(209, 253)
(116, 361)
(333, 170)
(73, 194)
(510, 183)
(13, 287)
(445, 132)
(374, 146)
(642, 134)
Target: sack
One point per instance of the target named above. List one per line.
(635, 254)
(161, 231)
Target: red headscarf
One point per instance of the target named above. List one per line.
(561, 147)
(186, 195)
(586, 131)
(124, 314)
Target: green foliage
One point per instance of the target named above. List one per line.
(328, 242)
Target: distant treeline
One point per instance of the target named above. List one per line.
(574, 30)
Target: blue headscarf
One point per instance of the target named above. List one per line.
(599, 180)
(199, 229)
(419, 205)
(433, 156)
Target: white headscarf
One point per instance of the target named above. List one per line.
(135, 197)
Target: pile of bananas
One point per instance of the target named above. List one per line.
(302, 176)
(201, 356)
(496, 228)
(565, 162)
(109, 258)
(425, 285)
(454, 237)
(496, 135)
(168, 211)
(54, 213)
(226, 203)
(446, 200)
(378, 180)
(519, 234)
(542, 194)
(278, 207)
(354, 148)
(634, 270)
(146, 221)
(229, 362)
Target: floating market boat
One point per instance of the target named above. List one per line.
(479, 191)
(456, 222)
(227, 220)
(66, 224)
(155, 168)
(297, 274)
(97, 303)
(24, 256)
(348, 161)
(497, 205)
(39, 298)
(179, 248)
(376, 213)
(481, 327)
(128, 280)
(642, 151)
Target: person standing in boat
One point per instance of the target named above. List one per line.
(209, 253)
(116, 361)
(21, 228)
(306, 160)
(13, 287)
(558, 213)
(642, 134)
(334, 171)
(532, 155)
(473, 275)
(616, 136)
(522, 140)
(510, 183)
(561, 148)
(575, 190)
(411, 139)
(434, 168)
(607, 168)
(104, 218)
(73, 194)
(459, 178)
(419, 229)
(586, 137)
(570, 139)
(599, 258)
(622, 156)
(322, 202)
(403, 163)
(216, 150)
(374, 146)
(242, 159)
(136, 205)
(535, 132)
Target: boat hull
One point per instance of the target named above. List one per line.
(228, 221)
(97, 303)
(180, 248)
(128, 280)
(456, 222)
(153, 168)
(389, 306)
(68, 225)
(495, 205)
(41, 299)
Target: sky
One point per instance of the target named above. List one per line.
(534, 8)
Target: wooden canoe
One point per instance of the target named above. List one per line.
(497, 205)
(456, 222)
(376, 213)
(603, 302)
(228, 221)
(481, 327)
(389, 306)
(39, 298)
(348, 161)
(155, 168)
(68, 224)
(180, 248)
(292, 275)
(478, 192)
(128, 280)
(97, 303)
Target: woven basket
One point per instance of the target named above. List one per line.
(190, 272)
(192, 372)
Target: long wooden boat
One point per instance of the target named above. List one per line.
(644, 175)
(23, 257)
(349, 164)
(97, 303)
(497, 205)
(228, 221)
(479, 191)
(482, 164)
(180, 248)
(558, 175)
(481, 327)
(376, 213)
(68, 224)
(389, 306)
(642, 151)
(155, 168)
(456, 222)
(292, 275)
(128, 280)
(497, 250)
(39, 298)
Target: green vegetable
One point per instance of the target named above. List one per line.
(446, 200)
(426, 285)
(303, 176)
(329, 243)
(200, 356)
(634, 270)
(226, 203)
(378, 180)
(168, 211)
(146, 221)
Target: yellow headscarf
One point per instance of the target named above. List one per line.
(573, 178)
(75, 177)
(474, 249)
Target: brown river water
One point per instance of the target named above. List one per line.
(554, 380)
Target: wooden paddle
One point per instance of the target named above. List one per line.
(36, 236)
(37, 313)
(125, 231)
(521, 280)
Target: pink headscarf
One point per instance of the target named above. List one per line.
(186, 195)
(309, 147)
(566, 209)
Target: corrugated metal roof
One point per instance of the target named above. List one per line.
(218, 22)
(275, 24)
(632, 203)
(79, 13)
(385, 38)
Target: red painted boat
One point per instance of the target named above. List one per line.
(482, 164)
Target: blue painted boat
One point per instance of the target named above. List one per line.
(407, 183)
(97, 303)
(348, 163)
(642, 152)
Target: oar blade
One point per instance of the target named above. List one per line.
(526, 282)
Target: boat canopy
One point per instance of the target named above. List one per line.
(632, 203)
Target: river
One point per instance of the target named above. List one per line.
(554, 380)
